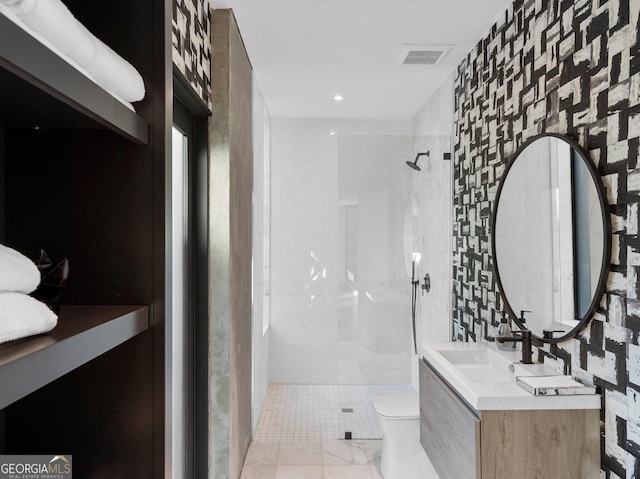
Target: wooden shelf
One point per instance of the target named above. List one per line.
(82, 334)
(95, 172)
(38, 88)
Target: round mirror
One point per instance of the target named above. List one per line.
(551, 237)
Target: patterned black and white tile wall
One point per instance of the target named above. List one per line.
(570, 67)
(191, 39)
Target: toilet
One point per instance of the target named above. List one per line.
(402, 453)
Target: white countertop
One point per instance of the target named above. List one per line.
(499, 391)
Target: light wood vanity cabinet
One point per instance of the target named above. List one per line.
(462, 442)
(449, 429)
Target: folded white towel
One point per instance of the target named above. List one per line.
(22, 316)
(53, 20)
(17, 272)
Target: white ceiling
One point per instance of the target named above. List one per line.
(306, 51)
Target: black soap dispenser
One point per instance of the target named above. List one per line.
(505, 331)
(523, 320)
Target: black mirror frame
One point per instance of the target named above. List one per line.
(606, 228)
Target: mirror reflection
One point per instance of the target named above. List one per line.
(550, 237)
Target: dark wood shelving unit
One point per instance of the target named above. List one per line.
(59, 95)
(83, 333)
(83, 177)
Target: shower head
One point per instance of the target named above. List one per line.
(414, 164)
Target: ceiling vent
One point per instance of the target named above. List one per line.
(413, 54)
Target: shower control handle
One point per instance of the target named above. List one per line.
(426, 285)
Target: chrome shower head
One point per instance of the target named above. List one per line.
(414, 164)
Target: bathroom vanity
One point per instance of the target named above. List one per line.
(476, 422)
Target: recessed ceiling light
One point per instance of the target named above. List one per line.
(332, 132)
(338, 98)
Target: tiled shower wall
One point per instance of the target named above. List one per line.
(569, 67)
(191, 40)
(325, 327)
(311, 172)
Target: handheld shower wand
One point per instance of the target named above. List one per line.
(414, 297)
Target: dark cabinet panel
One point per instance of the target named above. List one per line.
(82, 176)
(85, 196)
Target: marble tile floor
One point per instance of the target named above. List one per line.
(301, 433)
(330, 459)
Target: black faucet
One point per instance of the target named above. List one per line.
(523, 337)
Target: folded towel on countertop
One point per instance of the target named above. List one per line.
(22, 316)
(54, 22)
(17, 272)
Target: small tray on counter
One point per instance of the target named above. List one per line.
(553, 386)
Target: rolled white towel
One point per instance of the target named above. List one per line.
(53, 20)
(22, 316)
(113, 72)
(17, 272)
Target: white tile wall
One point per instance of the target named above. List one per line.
(261, 308)
(338, 201)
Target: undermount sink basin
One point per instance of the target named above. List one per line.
(480, 365)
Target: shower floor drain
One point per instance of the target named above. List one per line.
(347, 409)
